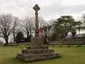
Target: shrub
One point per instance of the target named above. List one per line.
(78, 46)
(68, 46)
(19, 37)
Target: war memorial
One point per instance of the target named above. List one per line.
(37, 50)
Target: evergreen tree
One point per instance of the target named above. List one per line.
(19, 37)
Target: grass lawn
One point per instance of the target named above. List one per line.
(70, 55)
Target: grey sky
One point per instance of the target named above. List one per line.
(50, 9)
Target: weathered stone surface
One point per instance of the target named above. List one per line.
(37, 41)
(37, 47)
(32, 57)
(37, 52)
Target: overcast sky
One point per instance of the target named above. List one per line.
(50, 9)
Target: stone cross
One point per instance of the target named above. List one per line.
(37, 50)
(36, 8)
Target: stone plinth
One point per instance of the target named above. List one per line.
(37, 51)
(37, 41)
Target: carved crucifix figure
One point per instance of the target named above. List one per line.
(36, 8)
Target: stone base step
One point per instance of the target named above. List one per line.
(37, 47)
(32, 57)
(37, 51)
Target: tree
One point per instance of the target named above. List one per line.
(8, 26)
(64, 24)
(42, 22)
(83, 18)
(45, 36)
(29, 24)
(79, 25)
(15, 28)
(5, 26)
(19, 37)
(83, 22)
(28, 27)
(44, 31)
(73, 32)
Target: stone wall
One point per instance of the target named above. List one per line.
(69, 41)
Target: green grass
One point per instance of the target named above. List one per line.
(70, 55)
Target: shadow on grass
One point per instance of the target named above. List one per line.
(16, 61)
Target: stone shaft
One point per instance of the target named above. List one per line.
(36, 9)
(36, 24)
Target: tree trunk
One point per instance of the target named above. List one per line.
(6, 40)
(27, 33)
(45, 39)
(14, 38)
